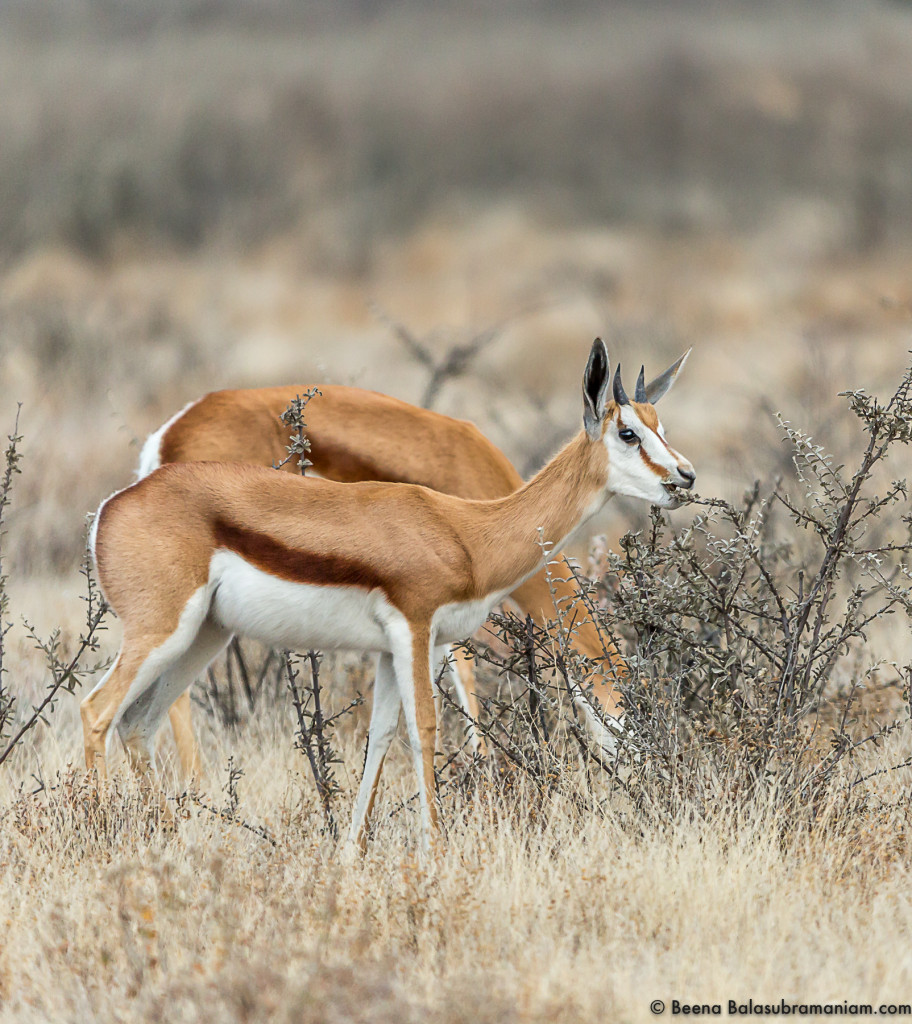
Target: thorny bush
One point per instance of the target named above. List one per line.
(65, 668)
(745, 636)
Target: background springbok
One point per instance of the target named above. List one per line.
(359, 435)
(197, 552)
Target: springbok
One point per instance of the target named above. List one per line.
(358, 435)
(197, 552)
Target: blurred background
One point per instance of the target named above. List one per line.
(206, 193)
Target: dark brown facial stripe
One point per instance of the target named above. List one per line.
(654, 466)
(294, 564)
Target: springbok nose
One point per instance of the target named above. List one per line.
(688, 476)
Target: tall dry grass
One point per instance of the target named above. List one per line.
(520, 916)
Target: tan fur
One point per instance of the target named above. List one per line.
(423, 549)
(647, 414)
(356, 435)
(359, 435)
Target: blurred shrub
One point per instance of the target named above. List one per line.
(207, 120)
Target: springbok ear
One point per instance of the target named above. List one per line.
(595, 389)
(655, 389)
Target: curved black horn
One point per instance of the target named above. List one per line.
(620, 395)
(640, 394)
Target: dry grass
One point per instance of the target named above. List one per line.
(212, 207)
(520, 916)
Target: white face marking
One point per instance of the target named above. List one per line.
(629, 473)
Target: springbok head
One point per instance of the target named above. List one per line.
(641, 463)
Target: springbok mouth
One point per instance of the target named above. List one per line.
(675, 494)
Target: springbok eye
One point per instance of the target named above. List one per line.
(629, 436)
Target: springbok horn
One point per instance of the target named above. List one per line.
(620, 395)
(640, 394)
(656, 388)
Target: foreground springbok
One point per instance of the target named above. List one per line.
(196, 552)
(359, 435)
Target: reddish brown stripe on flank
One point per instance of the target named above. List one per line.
(294, 564)
(654, 466)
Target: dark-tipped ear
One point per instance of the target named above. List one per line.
(658, 387)
(595, 389)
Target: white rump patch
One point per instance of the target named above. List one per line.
(150, 456)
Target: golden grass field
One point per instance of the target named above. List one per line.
(517, 918)
(529, 910)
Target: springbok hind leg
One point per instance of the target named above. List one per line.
(100, 708)
(177, 667)
(184, 739)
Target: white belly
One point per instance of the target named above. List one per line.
(299, 616)
(295, 615)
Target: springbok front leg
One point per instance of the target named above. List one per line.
(412, 666)
(383, 724)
